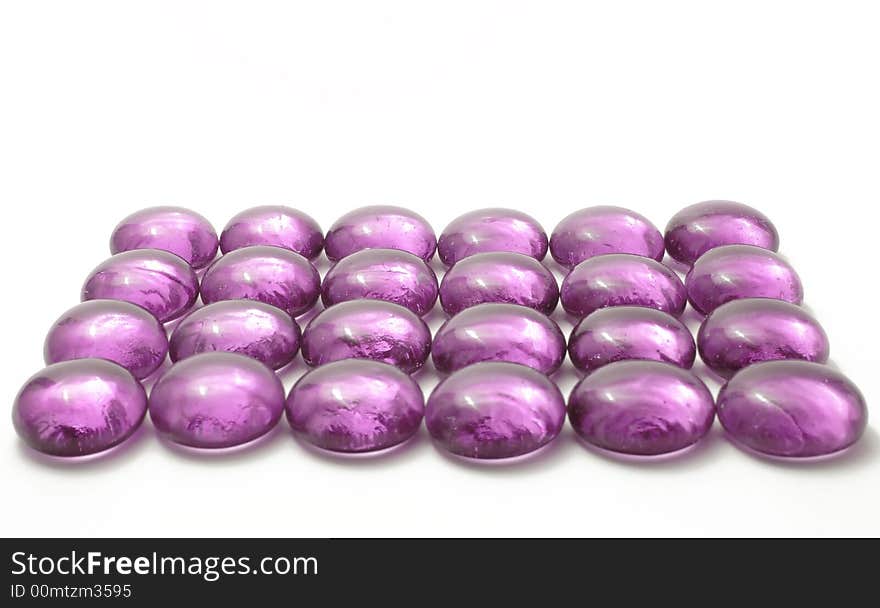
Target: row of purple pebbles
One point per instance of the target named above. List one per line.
(638, 395)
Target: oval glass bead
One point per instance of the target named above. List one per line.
(246, 327)
(622, 280)
(512, 278)
(733, 272)
(108, 329)
(183, 232)
(642, 408)
(355, 405)
(267, 274)
(380, 227)
(216, 400)
(621, 333)
(792, 409)
(495, 410)
(382, 274)
(487, 230)
(161, 282)
(274, 225)
(499, 332)
(698, 228)
(601, 230)
(367, 329)
(753, 330)
(79, 407)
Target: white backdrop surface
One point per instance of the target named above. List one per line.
(546, 107)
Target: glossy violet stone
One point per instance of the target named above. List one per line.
(734, 272)
(487, 230)
(495, 410)
(216, 400)
(792, 408)
(79, 407)
(382, 274)
(355, 405)
(743, 332)
(247, 327)
(275, 225)
(601, 230)
(182, 232)
(622, 333)
(642, 408)
(367, 329)
(158, 281)
(499, 332)
(514, 278)
(696, 229)
(380, 227)
(267, 274)
(622, 280)
(108, 329)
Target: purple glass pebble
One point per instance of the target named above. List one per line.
(247, 327)
(622, 279)
(643, 408)
(380, 227)
(267, 274)
(792, 408)
(158, 281)
(355, 405)
(499, 332)
(108, 329)
(601, 230)
(621, 333)
(495, 410)
(79, 407)
(182, 232)
(696, 229)
(514, 278)
(487, 230)
(382, 274)
(275, 225)
(743, 332)
(734, 272)
(367, 329)
(216, 400)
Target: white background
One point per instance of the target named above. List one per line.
(106, 107)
